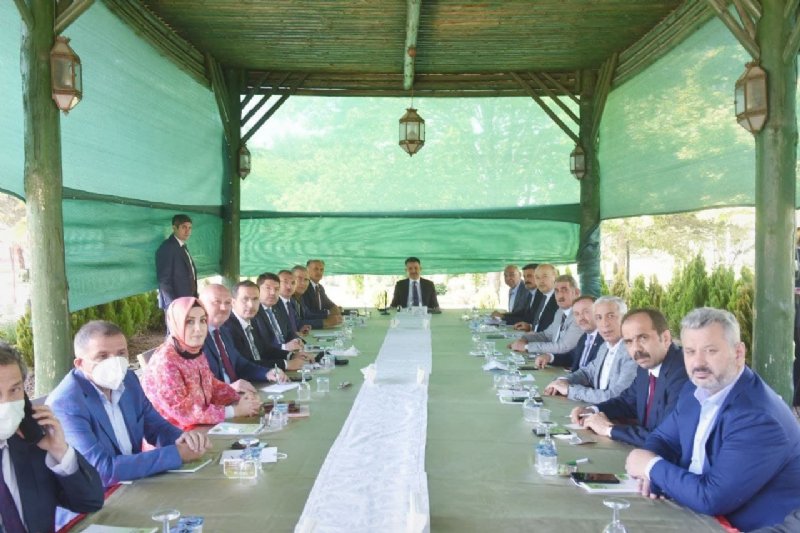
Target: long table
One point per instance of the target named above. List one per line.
(479, 461)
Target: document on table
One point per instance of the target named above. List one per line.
(230, 428)
(626, 485)
(194, 466)
(268, 455)
(95, 528)
(350, 352)
(280, 388)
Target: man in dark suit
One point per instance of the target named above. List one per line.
(224, 359)
(285, 309)
(314, 297)
(654, 392)
(37, 478)
(247, 336)
(414, 290)
(175, 269)
(731, 446)
(588, 344)
(517, 292)
(308, 317)
(542, 309)
(269, 326)
(523, 309)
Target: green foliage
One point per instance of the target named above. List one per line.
(619, 287)
(604, 290)
(655, 292)
(8, 333)
(25, 339)
(721, 287)
(741, 305)
(441, 288)
(639, 296)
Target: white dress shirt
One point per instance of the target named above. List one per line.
(608, 362)
(115, 416)
(411, 284)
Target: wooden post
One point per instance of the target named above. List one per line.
(232, 192)
(776, 157)
(49, 302)
(588, 257)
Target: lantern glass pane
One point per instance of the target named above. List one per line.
(422, 131)
(412, 131)
(78, 82)
(756, 94)
(739, 98)
(62, 74)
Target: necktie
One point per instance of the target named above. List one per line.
(319, 297)
(414, 294)
(273, 322)
(223, 354)
(651, 391)
(587, 347)
(8, 509)
(194, 270)
(290, 312)
(248, 332)
(561, 327)
(537, 312)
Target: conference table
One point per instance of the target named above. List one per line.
(479, 458)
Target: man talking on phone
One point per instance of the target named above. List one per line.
(40, 471)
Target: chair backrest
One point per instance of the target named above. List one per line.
(144, 358)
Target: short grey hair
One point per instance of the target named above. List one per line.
(10, 356)
(703, 317)
(622, 307)
(92, 329)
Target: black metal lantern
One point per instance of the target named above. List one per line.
(65, 72)
(244, 162)
(750, 98)
(577, 162)
(412, 131)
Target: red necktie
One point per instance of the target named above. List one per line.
(226, 362)
(651, 391)
(8, 509)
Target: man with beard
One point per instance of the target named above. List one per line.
(731, 446)
(652, 396)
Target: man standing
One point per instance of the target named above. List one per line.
(37, 478)
(225, 361)
(517, 293)
(315, 298)
(175, 269)
(731, 446)
(612, 371)
(415, 291)
(563, 334)
(542, 309)
(588, 344)
(652, 396)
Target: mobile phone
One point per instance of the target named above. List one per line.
(595, 477)
(31, 430)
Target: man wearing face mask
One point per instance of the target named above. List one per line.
(36, 478)
(107, 415)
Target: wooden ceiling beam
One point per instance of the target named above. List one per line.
(410, 52)
(550, 113)
(747, 21)
(25, 13)
(266, 96)
(220, 91)
(557, 84)
(570, 113)
(70, 14)
(601, 91)
(256, 86)
(735, 28)
(271, 111)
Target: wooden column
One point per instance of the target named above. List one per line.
(776, 157)
(232, 193)
(588, 257)
(49, 301)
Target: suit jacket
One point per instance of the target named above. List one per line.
(282, 311)
(313, 305)
(306, 317)
(244, 368)
(264, 327)
(585, 382)
(520, 299)
(270, 356)
(41, 490)
(426, 288)
(752, 469)
(176, 277)
(87, 427)
(545, 341)
(545, 318)
(632, 403)
(572, 358)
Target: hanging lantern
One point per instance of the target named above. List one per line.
(244, 162)
(412, 131)
(750, 98)
(65, 73)
(577, 162)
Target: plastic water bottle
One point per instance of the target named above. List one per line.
(546, 454)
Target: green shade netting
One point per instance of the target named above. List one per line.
(12, 160)
(669, 141)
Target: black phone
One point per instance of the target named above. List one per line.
(594, 477)
(31, 430)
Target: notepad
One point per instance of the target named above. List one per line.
(626, 485)
(194, 466)
(280, 388)
(230, 428)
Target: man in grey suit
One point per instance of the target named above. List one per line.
(612, 371)
(563, 334)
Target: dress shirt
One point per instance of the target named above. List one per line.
(290, 312)
(540, 310)
(587, 347)
(653, 372)
(67, 467)
(608, 362)
(225, 377)
(316, 288)
(276, 328)
(561, 326)
(412, 284)
(115, 417)
(186, 251)
(512, 296)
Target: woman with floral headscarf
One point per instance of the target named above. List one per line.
(178, 380)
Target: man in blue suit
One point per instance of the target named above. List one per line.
(654, 392)
(175, 269)
(37, 478)
(731, 447)
(226, 363)
(106, 415)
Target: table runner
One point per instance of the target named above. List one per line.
(373, 478)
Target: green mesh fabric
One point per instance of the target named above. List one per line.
(669, 141)
(11, 150)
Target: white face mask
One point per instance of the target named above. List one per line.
(110, 372)
(11, 414)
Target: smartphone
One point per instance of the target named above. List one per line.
(31, 430)
(594, 477)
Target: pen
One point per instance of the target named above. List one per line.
(577, 462)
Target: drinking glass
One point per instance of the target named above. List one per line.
(616, 505)
(165, 516)
(476, 338)
(530, 411)
(497, 380)
(323, 384)
(303, 389)
(490, 347)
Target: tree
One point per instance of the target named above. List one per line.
(639, 296)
